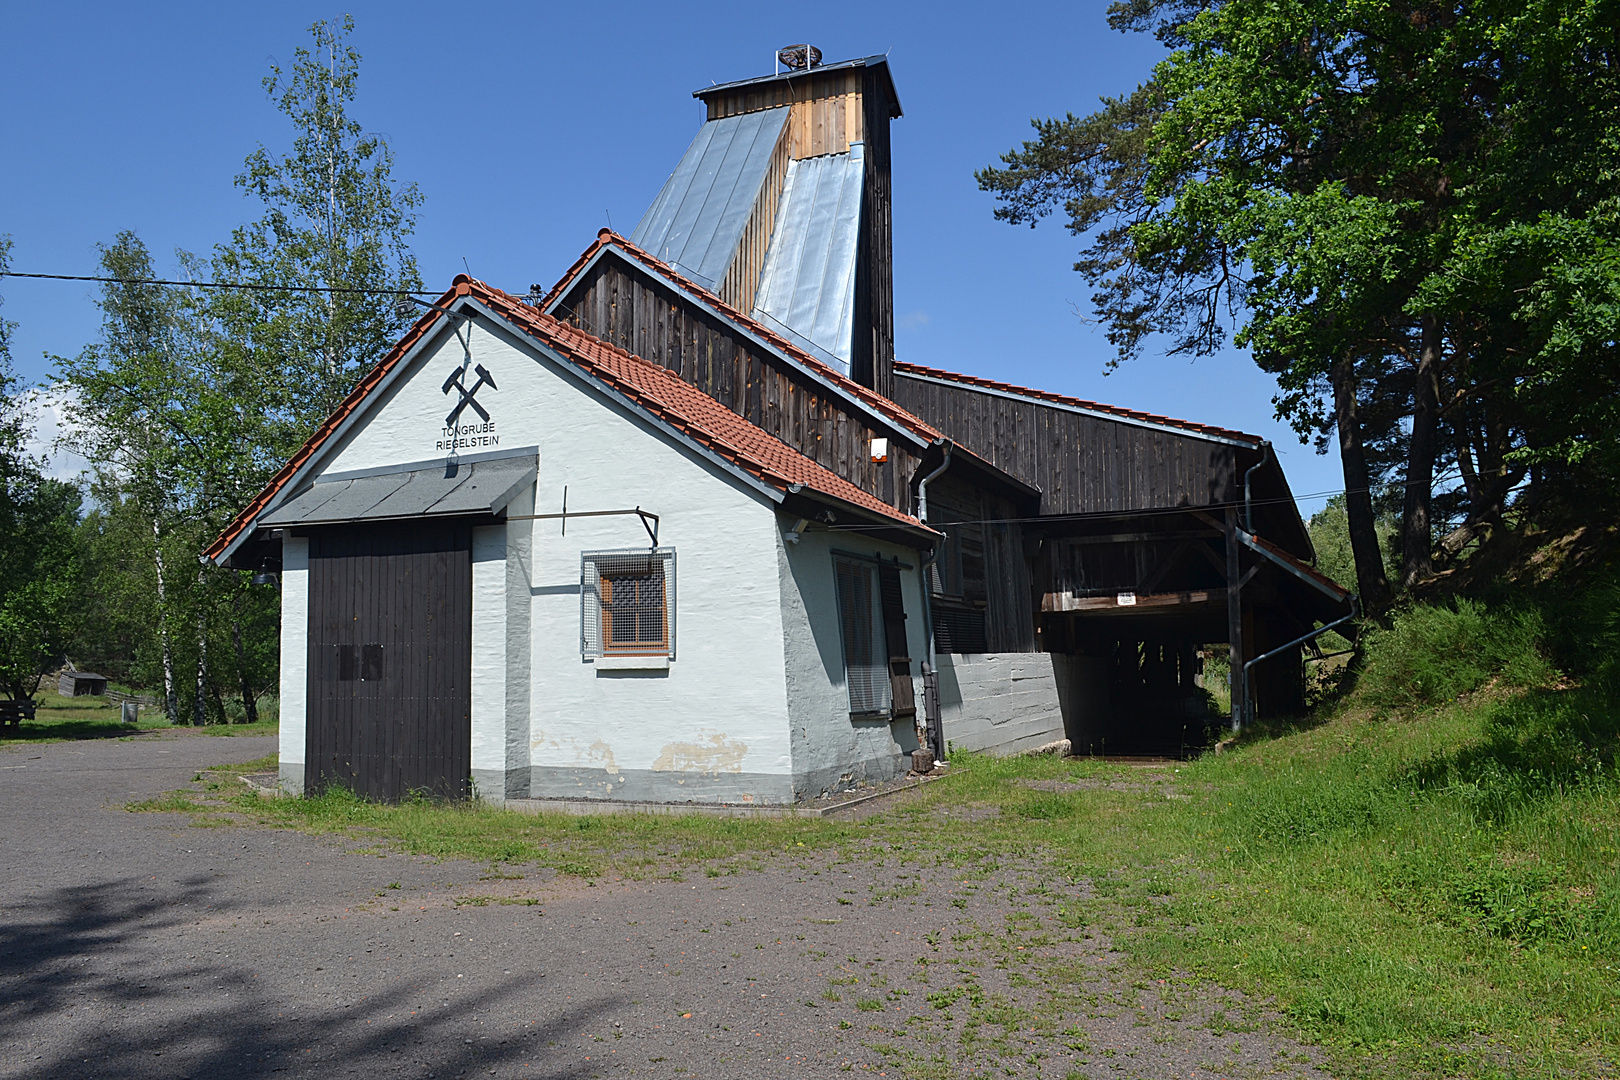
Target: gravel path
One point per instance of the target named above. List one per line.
(137, 945)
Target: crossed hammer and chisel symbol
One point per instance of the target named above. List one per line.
(468, 396)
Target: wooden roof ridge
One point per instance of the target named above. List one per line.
(608, 238)
(660, 392)
(1190, 426)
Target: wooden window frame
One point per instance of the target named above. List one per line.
(636, 644)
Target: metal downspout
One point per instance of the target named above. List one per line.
(1248, 683)
(1248, 505)
(930, 673)
(922, 485)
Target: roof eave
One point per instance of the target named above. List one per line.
(602, 387)
(876, 62)
(1191, 431)
(309, 455)
(798, 496)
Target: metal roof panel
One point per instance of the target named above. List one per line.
(481, 487)
(807, 287)
(697, 220)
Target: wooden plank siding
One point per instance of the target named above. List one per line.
(872, 359)
(982, 569)
(748, 262)
(820, 100)
(655, 322)
(830, 111)
(1082, 464)
(390, 659)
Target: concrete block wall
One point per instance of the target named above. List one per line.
(1002, 703)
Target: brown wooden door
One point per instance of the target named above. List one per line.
(390, 659)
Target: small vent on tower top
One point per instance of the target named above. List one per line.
(798, 57)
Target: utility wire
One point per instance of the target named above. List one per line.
(223, 284)
(1101, 515)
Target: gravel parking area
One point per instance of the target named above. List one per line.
(139, 945)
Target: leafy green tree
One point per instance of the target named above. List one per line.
(193, 398)
(1330, 537)
(40, 574)
(1366, 197)
(137, 415)
(334, 219)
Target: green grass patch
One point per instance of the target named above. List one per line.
(1438, 894)
(174, 801)
(629, 845)
(67, 719)
(1425, 881)
(1433, 654)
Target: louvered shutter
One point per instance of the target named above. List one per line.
(860, 612)
(894, 629)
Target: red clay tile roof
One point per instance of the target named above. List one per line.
(663, 394)
(1059, 399)
(1326, 583)
(608, 238)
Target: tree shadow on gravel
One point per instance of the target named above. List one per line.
(98, 949)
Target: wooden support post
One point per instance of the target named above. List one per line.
(1234, 621)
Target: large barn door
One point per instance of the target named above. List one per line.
(390, 659)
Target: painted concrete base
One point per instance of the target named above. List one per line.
(732, 788)
(491, 785)
(1000, 703)
(657, 786)
(292, 777)
(872, 770)
(620, 806)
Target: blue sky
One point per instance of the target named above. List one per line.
(528, 127)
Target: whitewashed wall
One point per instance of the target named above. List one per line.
(753, 705)
(1002, 703)
(294, 662)
(831, 751)
(711, 726)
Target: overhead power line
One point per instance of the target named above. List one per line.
(224, 285)
(1142, 512)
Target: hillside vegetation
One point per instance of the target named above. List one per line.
(1426, 872)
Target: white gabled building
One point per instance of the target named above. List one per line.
(520, 558)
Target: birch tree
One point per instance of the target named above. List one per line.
(334, 219)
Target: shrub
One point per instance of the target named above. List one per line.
(1585, 636)
(1435, 653)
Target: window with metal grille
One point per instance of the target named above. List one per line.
(627, 603)
(860, 621)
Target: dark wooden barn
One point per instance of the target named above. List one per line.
(1154, 538)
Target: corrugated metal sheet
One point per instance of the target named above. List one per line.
(807, 288)
(699, 216)
(481, 487)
